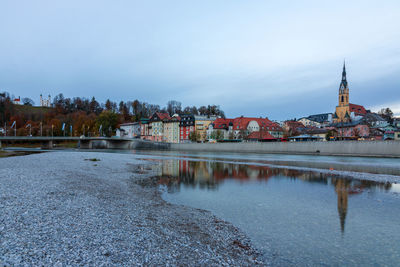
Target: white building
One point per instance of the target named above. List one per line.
(309, 123)
(45, 102)
(17, 101)
(129, 130)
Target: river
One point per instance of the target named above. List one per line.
(295, 216)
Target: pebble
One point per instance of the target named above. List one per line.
(59, 210)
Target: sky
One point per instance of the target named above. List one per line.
(275, 59)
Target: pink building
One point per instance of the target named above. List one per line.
(352, 131)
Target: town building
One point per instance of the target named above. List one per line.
(351, 131)
(171, 129)
(326, 134)
(17, 101)
(220, 129)
(374, 120)
(396, 122)
(323, 119)
(201, 126)
(305, 137)
(389, 132)
(397, 135)
(186, 127)
(376, 134)
(261, 136)
(129, 130)
(344, 110)
(242, 127)
(292, 127)
(145, 133)
(157, 125)
(45, 102)
(306, 121)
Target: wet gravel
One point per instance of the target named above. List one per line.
(66, 209)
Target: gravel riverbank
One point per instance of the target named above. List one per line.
(62, 209)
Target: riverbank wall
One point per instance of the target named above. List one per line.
(339, 148)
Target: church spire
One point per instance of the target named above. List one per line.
(343, 83)
(344, 72)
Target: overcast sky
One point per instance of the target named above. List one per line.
(281, 59)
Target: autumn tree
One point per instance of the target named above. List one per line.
(94, 107)
(124, 111)
(108, 120)
(190, 110)
(137, 109)
(6, 108)
(387, 114)
(193, 137)
(27, 101)
(110, 106)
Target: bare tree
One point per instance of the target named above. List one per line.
(174, 107)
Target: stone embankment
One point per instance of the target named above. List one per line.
(98, 209)
(339, 148)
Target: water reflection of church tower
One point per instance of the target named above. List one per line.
(341, 188)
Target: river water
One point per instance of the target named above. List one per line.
(295, 216)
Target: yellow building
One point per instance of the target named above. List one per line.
(342, 113)
(201, 125)
(171, 129)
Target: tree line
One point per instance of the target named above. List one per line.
(86, 116)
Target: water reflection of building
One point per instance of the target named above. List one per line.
(209, 174)
(348, 187)
(342, 191)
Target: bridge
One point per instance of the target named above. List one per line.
(47, 142)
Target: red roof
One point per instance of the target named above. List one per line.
(221, 123)
(261, 136)
(163, 116)
(357, 109)
(173, 119)
(241, 123)
(294, 124)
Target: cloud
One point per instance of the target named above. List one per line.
(394, 106)
(256, 58)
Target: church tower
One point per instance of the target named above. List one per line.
(344, 89)
(342, 113)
